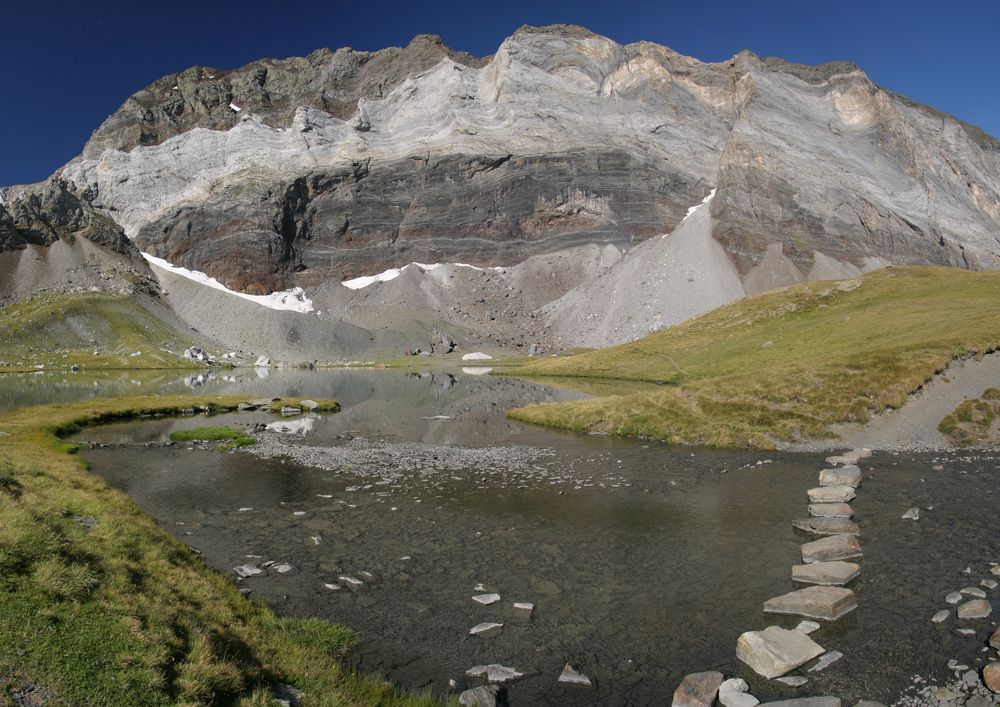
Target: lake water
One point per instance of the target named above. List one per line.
(643, 562)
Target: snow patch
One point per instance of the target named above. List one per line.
(392, 273)
(704, 202)
(293, 300)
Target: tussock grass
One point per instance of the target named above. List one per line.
(116, 611)
(973, 421)
(784, 365)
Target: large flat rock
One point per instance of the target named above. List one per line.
(835, 573)
(841, 476)
(975, 609)
(831, 510)
(697, 690)
(831, 494)
(776, 651)
(827, 526)
(834, 547)
(817, 602)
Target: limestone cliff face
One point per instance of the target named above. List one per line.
(307, 170)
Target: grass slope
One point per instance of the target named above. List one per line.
(99, 606)
(786, 364)
(92, 330)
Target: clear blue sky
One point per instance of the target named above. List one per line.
(67, 65)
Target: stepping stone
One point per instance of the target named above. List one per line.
(776, 651)
(808, 702)
(973, 592)
(827, 526)
(697, 690)
(831, 510)
(836, 573)
(831, 494)
(486, 630)
(849, 458)
(825, 603)
(523, 610)
(975, 609)
(569, 676)
(486, 599)
(953, 598)
(826, 660)
(733, 693)
(494, 673)
(843, 476)
(989, 583)
(835, 547)
(941, 616)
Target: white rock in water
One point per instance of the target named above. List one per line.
(486, 630)
(973, 592)
(570, 676)
(332, 587)
(282, 568)
(912, 514)
(776, 651)
(248, 570)
(263, 361)
(793, 681)
(352, 583)
(953, 598)
(733, 693)
(807, 627)
(486, 599)
(989, 583)
(523, 609)
(494, 672)
(975, 609)
(482, 696)
(477, 356)
(826, 660)
(941, 616)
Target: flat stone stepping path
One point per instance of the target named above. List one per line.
(832, 494)
(975, 609)
(698, 690)
(841, 476)
(816, 602)
(827, 526)
(835, 573)
(776, 651)
(831, 510)
(834, 547)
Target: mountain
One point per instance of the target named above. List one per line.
(563, 147)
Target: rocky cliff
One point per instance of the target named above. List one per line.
(307, 171)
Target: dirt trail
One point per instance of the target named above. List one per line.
(914, 426)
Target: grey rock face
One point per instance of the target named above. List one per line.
(344, 163)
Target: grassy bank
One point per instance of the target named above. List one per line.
(784, 365)
(100, 606)
(974, 421)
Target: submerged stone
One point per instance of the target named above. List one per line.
(817, 602)
(570, 676)
(826, 660)
(776, 651)
(482, 696)
(975, 609)
(494, 673)
(834, 573)
(697, 690)
(912, 514)
(827, 526)
(793, 681)
(834, 547)
(523, 610)
(941, 616)
(486, 630)
(733, 693)
(831, 494)
(486, 599)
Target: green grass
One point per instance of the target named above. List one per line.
(91, 330)
(118, 612)
(973, 421)
(784, 365)
(235, 438)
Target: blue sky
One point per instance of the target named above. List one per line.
(68, 65)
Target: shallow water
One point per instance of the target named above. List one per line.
(644, 562)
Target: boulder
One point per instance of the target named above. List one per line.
(974, 609)
(827, 526)
(835, 573)
(817, 602)
(831, 494)
(571, 676)
(991, 677)
(776, 651)
(831, 510)
(841, 476)
(834, 547)
(263, 362)
(482, 696)
(697, 690)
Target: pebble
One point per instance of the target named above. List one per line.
(486, 599)
(523, 609)
(571, 676)
(486, 630)
(941, 616)
(733, 693)
(912, 514)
